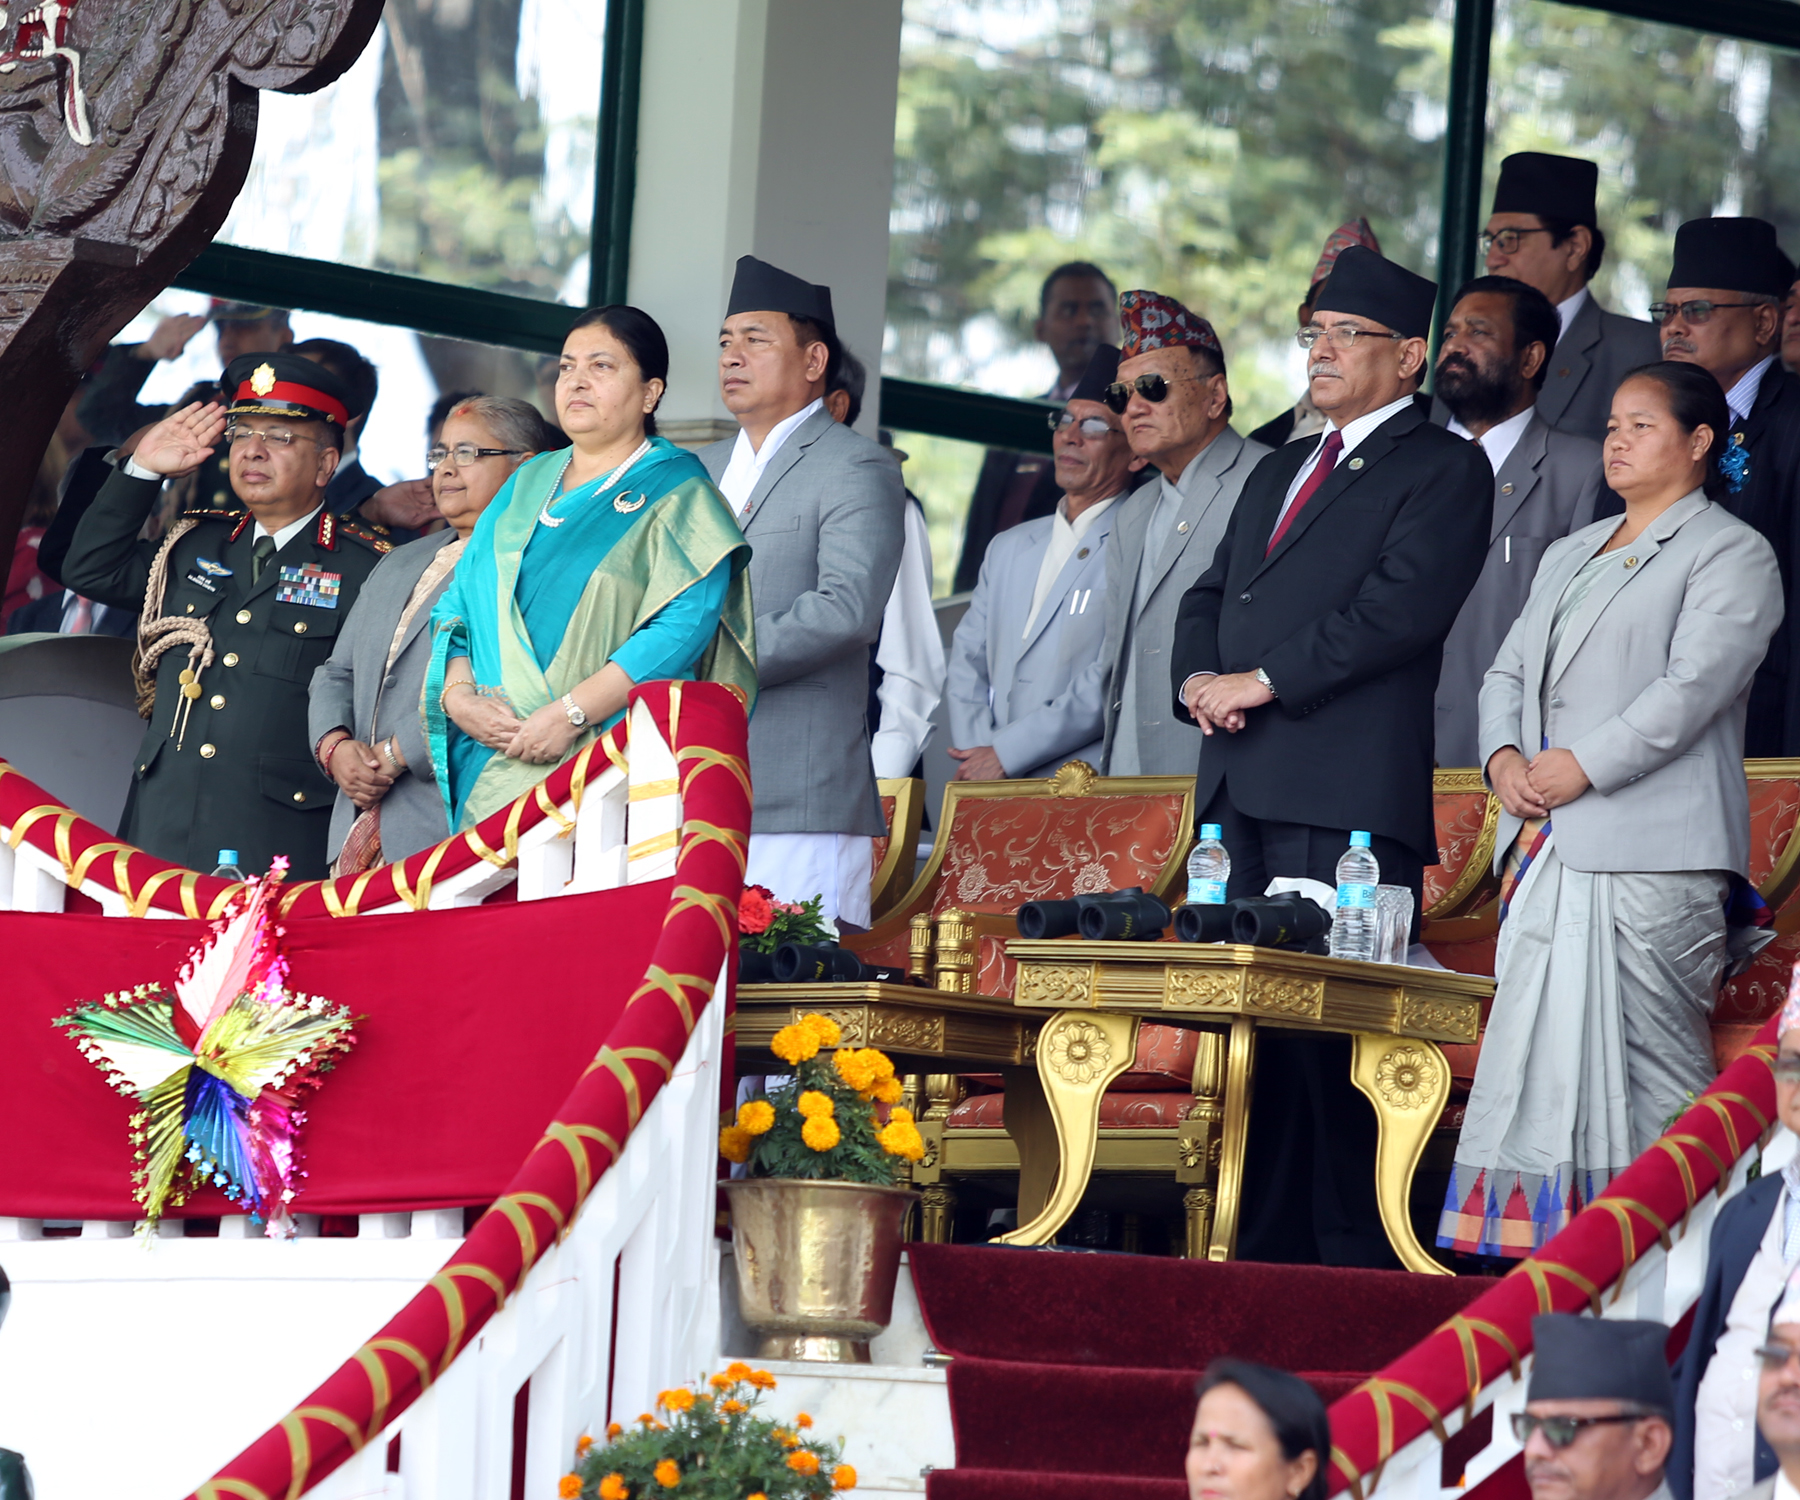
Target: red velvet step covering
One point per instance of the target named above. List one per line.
(1075, 1372)
(1118, 1111)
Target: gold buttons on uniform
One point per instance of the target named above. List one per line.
(217, 700)
(299, 627)
(299, 796)
(207, 752)
(231, 658)
(190, 609)
(243, 617)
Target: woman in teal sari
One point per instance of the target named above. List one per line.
(595, 568)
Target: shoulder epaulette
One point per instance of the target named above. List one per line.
(375, 537)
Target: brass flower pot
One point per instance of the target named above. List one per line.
(816, 1264)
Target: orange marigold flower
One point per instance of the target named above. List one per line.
(843, 1477)
(902, 1140)
(761, 1379)
(756, 1116)
(720, 1382)
(732, 1406)
(852, 1066)
(613, 1429)
(900, 1117)
(569, 1486)
(802, 1462)
(795, 1044)
(668, 1473)
(582, 1444)
(803, 1421)
(645, 1419)
(734, 1143)
(613, 1487)
(759, 1495)
(737, 1370)
(784, 1437)
(679, 1399)
(816, 1106)
(824, 1028)
(822, 1135)
(889, 1091)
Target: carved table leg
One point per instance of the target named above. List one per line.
(1240, 1070)
(937, 1213)
(1407, 1080)
(1033, 1131)
(1080, 1053)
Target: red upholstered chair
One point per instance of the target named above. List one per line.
(896, 851)
(1749, 999)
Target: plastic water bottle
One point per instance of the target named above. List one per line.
(228, 866)
(1354, 924)
(1209, 867)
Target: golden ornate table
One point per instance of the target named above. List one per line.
(1096, 994)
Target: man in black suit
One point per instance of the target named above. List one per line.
(1077, 313)
(1754, 1246)
(1308, 654)
(1723, 312)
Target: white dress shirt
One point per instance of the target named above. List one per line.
(1065, 537)
(1499, 440)
(287, 532)
(1565, 313)
(1784, 1489)
(911, 657)
(1354, 432)
(1742, 396)
(748, 462)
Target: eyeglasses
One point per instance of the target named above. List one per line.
(1775, 1356)
(1151, 387)
(1341, 336)
(1091, 427)
(1506, 241)
(465, 454)
(1697, 311)
(275, 437)
(1787, 1069)
(1559, 1432)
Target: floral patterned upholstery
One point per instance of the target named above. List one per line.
(880, 841)
(1120, 1109)
(1460, 817)
(1774, 807)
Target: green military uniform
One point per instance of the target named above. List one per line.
(239, 773)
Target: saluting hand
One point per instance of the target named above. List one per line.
(182, 441)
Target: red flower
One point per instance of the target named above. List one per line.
(754, 911)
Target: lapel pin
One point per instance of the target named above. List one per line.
(1631, 562)
(1356, 463)
(1506, 489)
(1182, 527)
(1082, 553)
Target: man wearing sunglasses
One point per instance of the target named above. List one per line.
(1723, 312)
(1026, 675)
(1598, 1409)
(1721, 1449)
(1176, 404)
(1308, 655)
(1545, 231)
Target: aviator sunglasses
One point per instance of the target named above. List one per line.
(1151, 387)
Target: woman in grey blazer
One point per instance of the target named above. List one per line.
(1612, 730)
(364, 709)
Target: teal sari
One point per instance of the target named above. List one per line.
(539, 608)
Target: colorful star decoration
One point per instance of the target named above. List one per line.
(218, 1067)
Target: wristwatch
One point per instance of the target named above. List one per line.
(1263, 678)
(573, 710)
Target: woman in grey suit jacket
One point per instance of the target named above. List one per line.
(364, 709)
(1612, 730)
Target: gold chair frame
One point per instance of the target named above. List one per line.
(895, 874)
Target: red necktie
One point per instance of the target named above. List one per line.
(1328, 457)
(81, 622)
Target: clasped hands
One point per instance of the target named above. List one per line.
(541, 738)
(1219, 701)
(1531, 788)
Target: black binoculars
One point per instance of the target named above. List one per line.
(1108, 917)
(1289, 920)
(804, 963)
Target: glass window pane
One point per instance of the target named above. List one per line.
(1204, 151)
(941, 472)
(1684, 125)
(414, 369)
(460, 147)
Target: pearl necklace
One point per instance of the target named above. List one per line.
(605, 484)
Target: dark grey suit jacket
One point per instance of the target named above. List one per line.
(1589, 361)
(826, 528)
(1546, 489)
(351, 690)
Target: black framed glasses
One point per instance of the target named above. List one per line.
(1151, 387)
(1091, 427)
(1775, 1355)
(1506, 241)
(1341, 336)
(275, 437)
(1697, 311)
(465, 454)
(1559, 1432)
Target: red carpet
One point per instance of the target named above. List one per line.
(1074, 1372)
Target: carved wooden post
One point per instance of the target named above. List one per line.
(126, 131)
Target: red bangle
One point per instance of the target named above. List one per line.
(328, 747)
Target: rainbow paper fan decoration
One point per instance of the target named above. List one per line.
(218, 1067)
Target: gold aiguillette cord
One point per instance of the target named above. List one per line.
(190, 690)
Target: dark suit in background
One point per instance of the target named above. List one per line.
(1347, 615)
(1766, 500)
(1587, 364)
(1545, 489)
(1012, 488)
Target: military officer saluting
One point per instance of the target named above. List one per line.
(237, 609)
